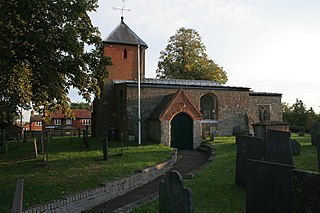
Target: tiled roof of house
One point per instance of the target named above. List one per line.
(35, 118)
(122, 34)
(78, 113)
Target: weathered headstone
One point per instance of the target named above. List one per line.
(173, 196)
(315, 133)
(295, 147)
(306, 191)
(105, 149)
(318, 152)
(269, 187)
(18, 197)
(277, 147)
(247, 148)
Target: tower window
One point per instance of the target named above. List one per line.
(125, 54)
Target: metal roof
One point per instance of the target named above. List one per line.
(122, 34)
(180, 83)
(264, 94)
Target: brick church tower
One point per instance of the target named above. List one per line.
(122, 46)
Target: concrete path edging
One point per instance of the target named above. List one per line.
(88, 199)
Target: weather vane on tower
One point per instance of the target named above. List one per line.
(122, 9)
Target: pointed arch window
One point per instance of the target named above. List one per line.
(125, 54)
(208, 107)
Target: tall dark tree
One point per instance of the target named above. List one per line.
(298, 116)
(185, 58)
(43, 53)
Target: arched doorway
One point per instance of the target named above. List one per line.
(182, 132)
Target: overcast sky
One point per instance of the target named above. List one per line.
(266, 45)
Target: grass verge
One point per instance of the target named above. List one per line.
(71, 168)
(213, 187)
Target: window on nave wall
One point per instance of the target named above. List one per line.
(208, 107)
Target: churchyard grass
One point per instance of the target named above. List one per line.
(213, 187)
(308, 154)
(71, 168)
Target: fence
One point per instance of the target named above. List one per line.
(28, 135)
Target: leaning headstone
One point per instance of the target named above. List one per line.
(306, 191)
(277, 147)
(247, 148)
(269, 187)
(295, 147)
(173, 196)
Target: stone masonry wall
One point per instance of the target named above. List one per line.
(275, 107)
(88, 199)
(232, 106)
(119, 108)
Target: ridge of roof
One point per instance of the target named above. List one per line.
(122, 34)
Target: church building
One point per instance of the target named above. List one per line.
(176, 112)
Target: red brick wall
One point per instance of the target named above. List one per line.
(75, 123)
(34, 127)
(124, 68)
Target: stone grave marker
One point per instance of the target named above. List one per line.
(306, 191)
(247, 148)
(173, 196)
(318, 153)
(315, 133)
(295, 147)
(269, 187)
(277, 147)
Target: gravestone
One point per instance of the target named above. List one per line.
(173, 196)
(295, 147)
(247, 148)
(17, 202)
(269, 187)
(306, 191)
(315, 133)
(318, 153)
(277, 147)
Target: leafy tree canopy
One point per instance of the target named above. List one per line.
(298, 116)
(80, 105)
(185, 58)
(43, 53)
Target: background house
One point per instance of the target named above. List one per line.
(81, 119)
(35, 122)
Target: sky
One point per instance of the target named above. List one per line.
(266, 45)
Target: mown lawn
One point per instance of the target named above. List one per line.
(71, 168)
(213, 187)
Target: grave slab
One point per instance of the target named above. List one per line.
(269, 187)
(306, 191)
(277, 147)
(247, 148)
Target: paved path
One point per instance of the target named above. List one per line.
(188, 161)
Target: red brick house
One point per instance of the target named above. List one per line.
(81, 119)
(35, 122)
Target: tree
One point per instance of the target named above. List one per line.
(185, 58)
(80, 105)
(298, 116)
(43, 52)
